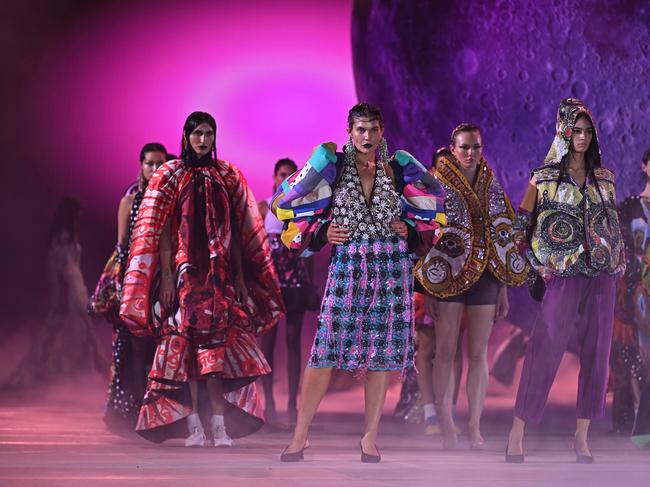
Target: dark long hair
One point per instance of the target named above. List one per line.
(592, 156)
(592, 161)
(149, 147)
(66, 219)
(194, 120)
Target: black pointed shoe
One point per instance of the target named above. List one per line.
(367, 457)
(583, 459)
(518, 458)
(296, 456)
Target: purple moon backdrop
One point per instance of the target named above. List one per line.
(505, 65)
(93, 81)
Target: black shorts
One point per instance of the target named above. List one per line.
(294, 299)
(484, 291)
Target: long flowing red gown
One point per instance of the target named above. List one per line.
(208, 332)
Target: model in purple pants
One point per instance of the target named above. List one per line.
(567, 227)
(578, 305)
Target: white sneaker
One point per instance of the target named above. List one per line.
(197, 435)
(220, 437)
(197, 438)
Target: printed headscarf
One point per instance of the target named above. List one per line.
(567, 114)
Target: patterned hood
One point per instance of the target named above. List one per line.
(567, 114)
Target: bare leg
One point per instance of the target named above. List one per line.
(314, 386)
(215, 390)
(294, 327)
(516, 437)
(447, 329)
(424, 363)
(582, 429)
(481, 319)
(375, 395)
(268, 349)
(458, 367)
(194, 395)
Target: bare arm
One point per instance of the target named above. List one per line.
(263, 208)
(123, 213)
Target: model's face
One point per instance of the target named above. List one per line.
(366, 135)
(582, 135)
(202, 139)
(152, 161)
(283, 173)
(468, 149)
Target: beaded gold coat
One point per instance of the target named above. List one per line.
(478, 235)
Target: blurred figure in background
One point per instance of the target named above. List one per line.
(631, 338)
(65, 344)
(131, 356)
(298, 295)
(416, 402)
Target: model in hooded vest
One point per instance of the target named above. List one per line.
(568, 228)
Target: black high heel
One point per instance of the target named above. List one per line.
(583, 459)
(518, 458)
(296, 456)
(367, 457)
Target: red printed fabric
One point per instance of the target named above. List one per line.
(170, 190)
(208, 331)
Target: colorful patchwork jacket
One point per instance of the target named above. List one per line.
(304, 199)
(571, 229)
(576, 230)
(478, 235)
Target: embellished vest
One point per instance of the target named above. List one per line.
(576, 229)
(478, 235)
(365, 219)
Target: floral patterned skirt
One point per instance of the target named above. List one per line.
(366, 318)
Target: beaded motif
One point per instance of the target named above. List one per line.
(365, 219)
(478, 235)
(576, 231)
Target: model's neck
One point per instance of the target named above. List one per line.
(576, 160)
(365, 159)
(469, 173)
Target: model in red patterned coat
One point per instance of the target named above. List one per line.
(201, 280)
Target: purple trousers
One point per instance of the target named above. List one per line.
(578, 306)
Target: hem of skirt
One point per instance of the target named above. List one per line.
(360, 368)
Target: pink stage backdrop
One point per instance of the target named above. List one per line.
(276, 75)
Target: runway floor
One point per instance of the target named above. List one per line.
(58, 438)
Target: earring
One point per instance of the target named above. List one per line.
(383, 150)
(350, 151)
(349, 145)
